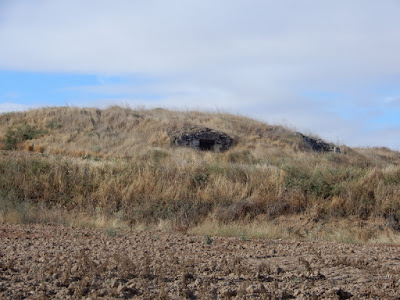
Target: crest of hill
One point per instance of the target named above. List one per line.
(124, 132)
(118, 132)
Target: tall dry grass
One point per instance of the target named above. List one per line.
(120, 161)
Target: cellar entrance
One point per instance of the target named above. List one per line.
(206, 144)
(203, 139)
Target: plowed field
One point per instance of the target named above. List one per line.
(45, 262)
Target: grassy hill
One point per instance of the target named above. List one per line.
(116, 167)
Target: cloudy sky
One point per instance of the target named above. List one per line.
(330, 67)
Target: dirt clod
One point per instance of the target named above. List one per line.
(49, 262)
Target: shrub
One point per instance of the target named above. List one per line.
(239, 210)
(16, 135)
(208, 240)
(53, 125)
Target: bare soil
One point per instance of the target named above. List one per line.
(48, 262)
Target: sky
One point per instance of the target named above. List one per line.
(330, 68)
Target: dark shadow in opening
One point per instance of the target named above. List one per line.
(205, 145)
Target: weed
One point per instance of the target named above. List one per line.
(95, 148)
(111, 231)
(53, 125)
(16, 135)
(208, 240)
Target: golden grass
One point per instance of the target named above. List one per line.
(351, 231)
(121, 161)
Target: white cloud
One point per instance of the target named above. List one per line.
(182, 36)
(12, 107)
(253, 57)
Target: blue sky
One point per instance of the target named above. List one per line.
(325, 67)
(38, 89)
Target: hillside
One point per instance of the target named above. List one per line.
(118, 167)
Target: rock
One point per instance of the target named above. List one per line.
(126, 291)
(203, 139)
(336, 150)
(318, 145)
(343, 294)
(228, 292)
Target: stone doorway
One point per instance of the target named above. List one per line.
(206, 144)
(203, 139)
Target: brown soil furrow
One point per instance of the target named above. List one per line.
(64, 263)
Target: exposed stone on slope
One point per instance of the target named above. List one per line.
(204, 139)
(318, 144)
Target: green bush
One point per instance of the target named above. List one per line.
(208, 240)
(312, 181)
(53, 125)
(15, 135)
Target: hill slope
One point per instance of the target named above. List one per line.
(119, 162)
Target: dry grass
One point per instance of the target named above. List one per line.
(120, 161)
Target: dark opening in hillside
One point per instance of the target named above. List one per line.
(203, 139)
(205, 145)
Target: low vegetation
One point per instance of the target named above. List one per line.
(119, 164)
